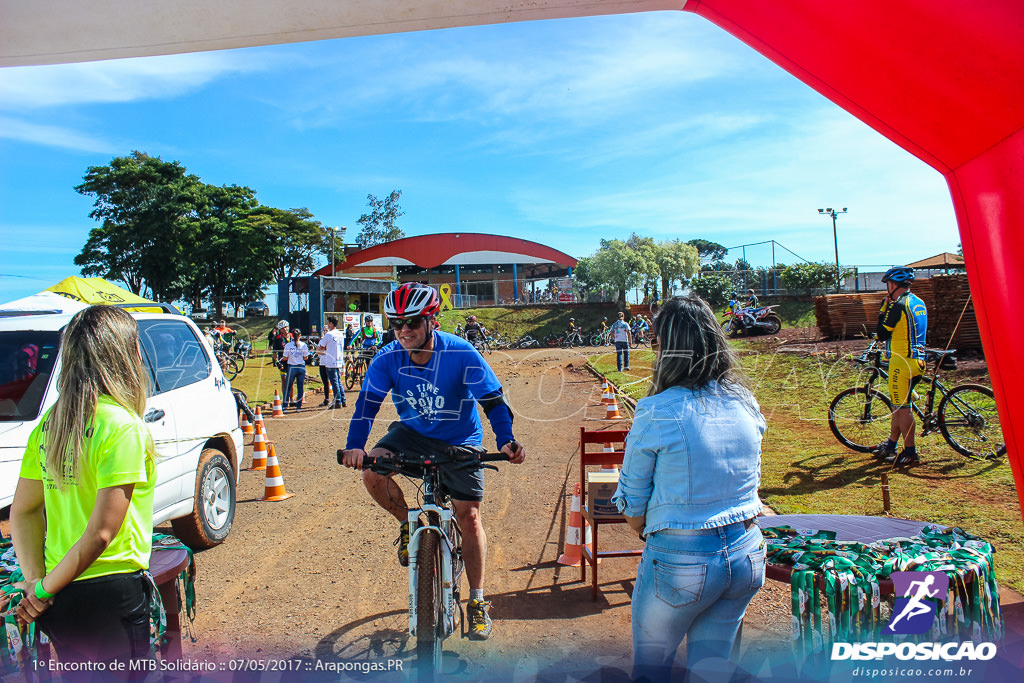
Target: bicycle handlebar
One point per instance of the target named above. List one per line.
(460, 456)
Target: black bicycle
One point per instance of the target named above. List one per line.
(355, 366)
(435, 547)
(966, 414)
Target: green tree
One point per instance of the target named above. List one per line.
(713, 288)
(296, 239)
(647, 249)
(379, 225)
(619, 267)
(231, 256)
(676, 260)
(812, 278)
(146, 207)
(710, 251)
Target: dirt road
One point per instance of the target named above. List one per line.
(316, 577)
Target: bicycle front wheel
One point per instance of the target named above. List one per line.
(429, 607)
(239, 361)
(860, 418)
(970, 423)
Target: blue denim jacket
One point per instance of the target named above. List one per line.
(693, 459)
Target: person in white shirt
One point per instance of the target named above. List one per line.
(295, 353)
(623, 337)
(331, 350)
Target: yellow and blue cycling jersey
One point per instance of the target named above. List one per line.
(902, 325)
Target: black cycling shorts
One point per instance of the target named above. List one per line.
(464, 484)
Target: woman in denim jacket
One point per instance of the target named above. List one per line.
(689, 487)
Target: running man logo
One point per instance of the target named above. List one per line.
(918, 595)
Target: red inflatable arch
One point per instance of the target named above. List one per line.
(944, 79)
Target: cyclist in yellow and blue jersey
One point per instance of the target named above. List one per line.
(902, 325)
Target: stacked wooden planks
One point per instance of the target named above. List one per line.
(951, 295)
(841, 316)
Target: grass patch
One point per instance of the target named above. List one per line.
(537, 321)
(806, 470)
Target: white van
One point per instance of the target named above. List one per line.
(191, 414)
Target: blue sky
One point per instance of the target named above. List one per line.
(563, 132)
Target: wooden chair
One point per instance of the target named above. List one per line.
(589, 552)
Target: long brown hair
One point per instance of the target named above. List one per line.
(99, 352)
(693, 350)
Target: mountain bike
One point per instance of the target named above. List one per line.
(355, 369)
(601, 338)
(435, 547)
(639, 337)
(228, 364)
(966, 415)
(571, 339)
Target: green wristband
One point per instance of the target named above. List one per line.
(41, 592)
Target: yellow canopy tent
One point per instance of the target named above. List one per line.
(96, 290)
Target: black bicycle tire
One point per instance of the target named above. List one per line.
(428, 605)
(229, 367)
(883, 420)
(350, 376)
(239, 360)
(954, 442)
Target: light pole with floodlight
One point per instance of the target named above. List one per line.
(835, 240)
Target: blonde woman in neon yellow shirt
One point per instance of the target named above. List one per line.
(82, 516)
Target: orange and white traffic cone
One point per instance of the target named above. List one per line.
(247, 427)
(274, 487)
(607, 396)
(277, 412)
(259, 451)
(610, 468)
(612, 409)
(258, 422)
(574, 534)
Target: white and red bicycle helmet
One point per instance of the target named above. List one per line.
(412, 299)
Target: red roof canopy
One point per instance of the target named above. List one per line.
(463, 248)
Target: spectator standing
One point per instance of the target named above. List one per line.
(277, 338)
(295, 354)
(82, 516)
(350, 331)
(331, 351)
(622, 336)
(689, 487)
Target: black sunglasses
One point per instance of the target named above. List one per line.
(412, 323)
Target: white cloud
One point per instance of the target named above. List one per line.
(576, 72)
(120, 80)
(52, 136)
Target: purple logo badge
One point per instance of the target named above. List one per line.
(918, 595)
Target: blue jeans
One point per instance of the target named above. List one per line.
(621, 354)
(334, 377)
(695, 583)
(295, 373)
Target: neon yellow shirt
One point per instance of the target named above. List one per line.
(114, 455)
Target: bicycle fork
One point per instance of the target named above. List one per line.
(448, 581)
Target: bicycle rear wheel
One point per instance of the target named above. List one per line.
(970, 423)
(429, 608)
(229, 367)
(860, 418)
(239, 361)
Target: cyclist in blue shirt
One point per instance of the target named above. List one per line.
(436, 380)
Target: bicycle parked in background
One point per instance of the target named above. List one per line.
(966, 414)
(435, 547)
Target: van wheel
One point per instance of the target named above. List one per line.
(214, 509)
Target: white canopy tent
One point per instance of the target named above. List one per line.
(60, 31)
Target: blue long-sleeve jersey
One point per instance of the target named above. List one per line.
(437, 399)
